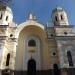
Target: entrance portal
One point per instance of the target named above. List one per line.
(56, 69)
(31, 67)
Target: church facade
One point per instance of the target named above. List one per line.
(32, 48)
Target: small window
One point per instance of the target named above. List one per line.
(56, 18)
(65, 33)
(69, 58)
(8, 59)
(62, 17)
(54, 53)
(6, 18)
(51, 34)
(1, 16)
(31, 43)
(11, 35)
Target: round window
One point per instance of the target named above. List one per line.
(54, 53)
(65, 33)
(51, 34)
(11, 35)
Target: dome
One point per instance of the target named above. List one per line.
(8, 9)
(58, 9)
(3, 7)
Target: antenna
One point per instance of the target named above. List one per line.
(6, 2)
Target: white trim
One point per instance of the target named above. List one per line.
(28, 23)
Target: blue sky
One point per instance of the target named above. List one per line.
(42, 9)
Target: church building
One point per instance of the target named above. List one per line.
(31, 48)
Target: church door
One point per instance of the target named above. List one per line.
(56, 70)
(31, 67)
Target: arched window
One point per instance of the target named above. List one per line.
(56, 18)
(0, 51)
(8, 59)
(69, 58)
(6, 18)
(31, 43)
(62, 17)
(1, 16)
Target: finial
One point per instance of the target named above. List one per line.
(32, 17)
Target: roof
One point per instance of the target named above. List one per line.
(58, 9)
(3, 7)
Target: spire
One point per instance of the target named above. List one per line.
(31, 17)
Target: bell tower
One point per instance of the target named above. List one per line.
(7, 38)
(65, 39)
(59, 16)
(6, 15)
